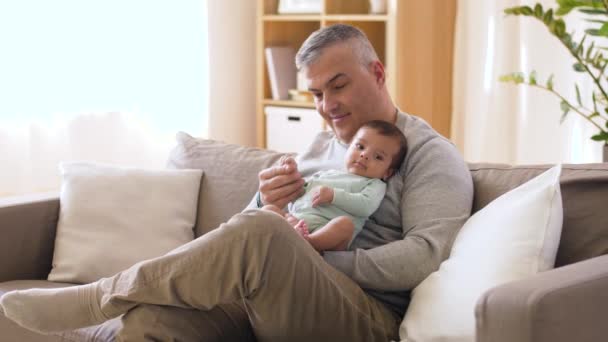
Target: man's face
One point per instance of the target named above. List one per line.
(371, 154)
(346, 92)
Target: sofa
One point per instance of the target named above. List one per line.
(568, 303)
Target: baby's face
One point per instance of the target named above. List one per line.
(371, 154)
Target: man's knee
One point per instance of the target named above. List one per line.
(258, 221)
(273, 208)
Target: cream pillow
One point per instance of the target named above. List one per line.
(112, 217)
(513, 237)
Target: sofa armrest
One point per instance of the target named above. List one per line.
(569, 303)
(27, 236)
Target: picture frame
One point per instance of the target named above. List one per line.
(300, 6)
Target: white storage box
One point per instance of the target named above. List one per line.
(291, 129)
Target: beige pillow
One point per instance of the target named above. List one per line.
(231, 176)
(113, 217)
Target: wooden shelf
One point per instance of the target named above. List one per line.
(414, 40)
(288, 103)
(328, 17)
(291, 17)
(355, 17)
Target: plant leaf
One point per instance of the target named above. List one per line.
(589, 50)
(550, 82)
(560, 28)
(548, 17)
(593, 11)
(596, 21)
(532, 78)
(565, 110)
(526, 10)
(578, 67)
(581, 45)
(538, 11)
(594, 103)
(578, 95)
(593, 32)
(604, 30)
(601, 136)
(514, 77)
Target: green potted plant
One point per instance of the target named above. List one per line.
(588, 58)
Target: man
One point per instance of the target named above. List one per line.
(262, 266)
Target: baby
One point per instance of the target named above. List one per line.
(336, 204)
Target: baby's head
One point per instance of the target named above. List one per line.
(377, 150)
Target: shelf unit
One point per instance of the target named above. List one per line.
(413, 40)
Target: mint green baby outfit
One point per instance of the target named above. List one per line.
(354, 196)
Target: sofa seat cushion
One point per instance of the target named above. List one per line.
(584, 190)
(10, 331)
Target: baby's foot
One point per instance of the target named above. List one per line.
(292, 220)
(302, 228)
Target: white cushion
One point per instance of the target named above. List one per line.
(112, 217)
(513, 237)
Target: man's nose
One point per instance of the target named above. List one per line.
(364, 154)
(329, 104)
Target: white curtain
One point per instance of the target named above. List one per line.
(107, 81)
(504, 123)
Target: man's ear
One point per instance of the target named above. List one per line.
(377, 70)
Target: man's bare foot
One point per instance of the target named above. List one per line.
(302, 228)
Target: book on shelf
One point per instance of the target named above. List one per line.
(282, 72)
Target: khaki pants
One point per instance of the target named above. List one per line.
(257, 260)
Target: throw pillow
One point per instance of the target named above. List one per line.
(113, 217)
(231, 176)
(513, 237)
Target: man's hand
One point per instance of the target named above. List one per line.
(322, 195)
(281, 184)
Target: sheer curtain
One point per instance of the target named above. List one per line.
(496, 122)
(108, 81)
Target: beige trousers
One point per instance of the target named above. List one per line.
(257, 260)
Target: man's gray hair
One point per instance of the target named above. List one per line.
(312, 48)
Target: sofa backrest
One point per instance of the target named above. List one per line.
(584, 190)
(230, 180)
(230, 176)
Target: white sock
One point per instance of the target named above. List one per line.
(53, 310)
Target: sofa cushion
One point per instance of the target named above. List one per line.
(584, 193)
(136, 214)
(513, 237)
(230, 176)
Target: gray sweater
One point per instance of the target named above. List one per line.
(427, 201)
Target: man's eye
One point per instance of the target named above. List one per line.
(317, 95)
(359, 146)
(379, 157)
(340, 86)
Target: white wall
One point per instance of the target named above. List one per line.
(232, 36)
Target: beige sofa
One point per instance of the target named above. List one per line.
(569, 303)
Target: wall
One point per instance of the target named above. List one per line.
(232, 31)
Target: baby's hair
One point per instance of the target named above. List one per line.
(387, 129)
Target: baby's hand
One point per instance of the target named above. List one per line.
(288, 162)
(322, 195)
